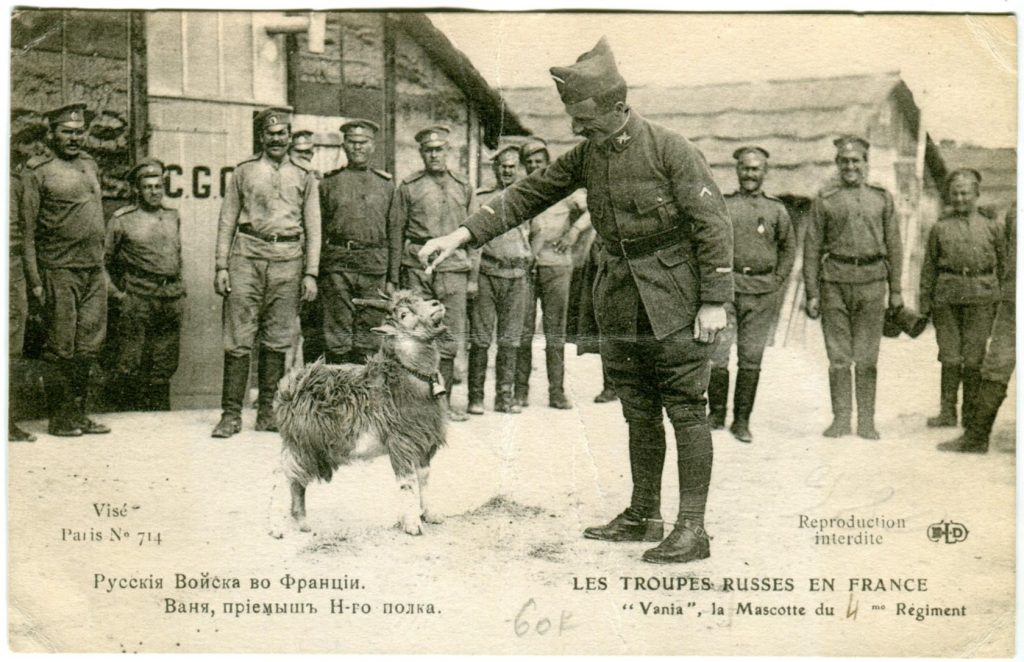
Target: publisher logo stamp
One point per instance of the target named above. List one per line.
(947, 532)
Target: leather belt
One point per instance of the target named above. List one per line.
(858, 261)
(631, 248)
(967, 271)
(156, 279)
(747, 271)
(350, 245)
(507, 262)
(269, 238)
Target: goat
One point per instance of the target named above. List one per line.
(329, 415)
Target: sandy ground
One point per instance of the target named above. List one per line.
(501, 574)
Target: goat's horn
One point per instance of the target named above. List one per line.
(372, 303)
(383, 295)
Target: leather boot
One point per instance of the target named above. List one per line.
(687, 542)
(978, 428)
(607, 393)
(972, 382)
(271, 370)
(236, 380)
(80, 386)
(16, 434)
(867, 379)
(504, 380)
(743, 403)
(476, 377)
(159, 397)
(948, 390)
(718, 397)
(840, 389)
(60, 405)
(555, 359)
(627, 527)
(448, 375)
(524, 366)
(17, 378)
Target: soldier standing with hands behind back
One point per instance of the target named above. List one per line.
(851, 250)
(659, 294)
(268, 256)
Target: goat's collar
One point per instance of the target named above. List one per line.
(435, 381)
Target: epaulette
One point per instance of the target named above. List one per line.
(124, 210)
(82, 154)
(254, 157)
(332, 173)
(38, 160)
(733, 194)
(383, 174)
(988, 212)
(299, 164)
(485, 191)
(878, 187)
(457, 177)
(829, 191)
(774, 199)
(414, 176)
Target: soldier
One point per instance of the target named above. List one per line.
(62, 213)
(764, 248)
(553, 236)
(499, 280)
(268, 255)
(354, 201)
(960, 289)
(659, 294)
(852, 247)
(427, 204)
(304, 149)
(143, 258)
(1000, 359)
(28, 138)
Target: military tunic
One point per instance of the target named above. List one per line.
(1001, 355)
(62, 213)
(268, 237)
(18, 303)
(425, 206)
(642, 181)
(143, 256)
(354, 262)
(960, 285)
(852, 249)
(501, 268)
(764, 249)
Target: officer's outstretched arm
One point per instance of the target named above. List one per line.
(437, 250)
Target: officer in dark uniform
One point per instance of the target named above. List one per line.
(143, 257)
(427, 204)
(499, 279)
(554, 237)
(851, 249)
(62, 212)
(267, 259)
(354, 201)
(311, 323)
(28, 138)
(960, 289)
(659, 294)
(764, 249)
(1000, 358)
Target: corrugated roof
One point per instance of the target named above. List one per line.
(795, 119)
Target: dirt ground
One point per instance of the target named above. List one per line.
(505, 573)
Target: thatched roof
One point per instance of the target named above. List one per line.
(795, 120)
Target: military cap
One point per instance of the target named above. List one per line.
(750, 148)
(433, 136)
(27, 125)
(360, 127)
(593, 73)
(532, 146)
(271, 117)
(303, 139)
(507, 148)
(850, 143)
(147, 167)
(966, 173)
(74, 115)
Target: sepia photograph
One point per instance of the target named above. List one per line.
(485, 332)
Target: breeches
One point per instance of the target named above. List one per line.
(499, 306)
(347, 326)
(754, 316)
(962, 331)
(1001, 356)
(264, 299)
(75, 312)
(852, 317)
(550, 286)
(148, 337)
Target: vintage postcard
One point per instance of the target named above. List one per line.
(555, 333)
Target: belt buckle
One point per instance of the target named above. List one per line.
(746, 271)
(624, 246)
(273, 238)
(349, 246)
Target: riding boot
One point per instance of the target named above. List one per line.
(80, 387)
(271, 370)
(642, 520)
(524, 366)
(504, 379)
(158, 397)
(972, 381)
(448, 375)
(978, 428)
(236, 380)
(477, 377)
(867, 379)
(718, 397)
(948, 390)
(555, 359)
(840, 389)
(607, 393)
(743, 403)
(57, 385)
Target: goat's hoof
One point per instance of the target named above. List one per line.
(412, 526)
(432, 518)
